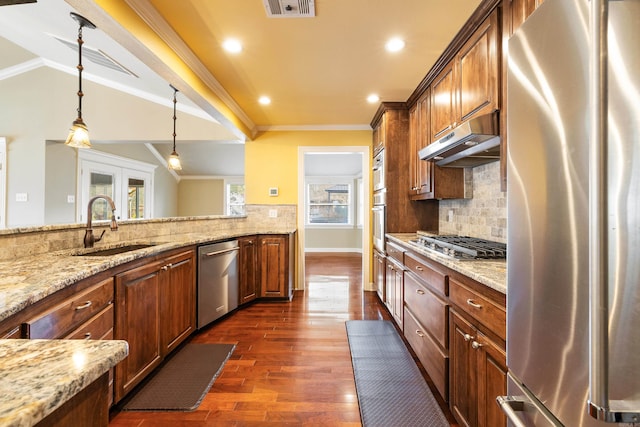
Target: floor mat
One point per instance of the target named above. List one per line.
(182, 382)
(391, 390)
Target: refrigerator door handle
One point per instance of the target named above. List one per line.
(599, 404)
(510, 405)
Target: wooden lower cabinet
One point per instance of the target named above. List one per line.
(379, 274)
(478, 374)
(155, 312)
(177, 300)
(276, 258)
(394, 284)
(248, 275)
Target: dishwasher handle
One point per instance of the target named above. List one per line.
(224, 251)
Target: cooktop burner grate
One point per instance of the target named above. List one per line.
(463, 247)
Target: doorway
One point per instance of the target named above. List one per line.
(339, 206)
(3, 182)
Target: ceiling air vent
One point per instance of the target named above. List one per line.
(97, 56)
(290, 8)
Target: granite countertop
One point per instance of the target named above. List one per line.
(39, 376)
(491, 273)
(25, 281)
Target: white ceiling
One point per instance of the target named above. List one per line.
(318, 71)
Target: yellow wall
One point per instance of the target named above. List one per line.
(271, 160)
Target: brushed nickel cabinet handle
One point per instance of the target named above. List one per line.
(83, 306)
(473, 304)
(419, 292)
(419, 333)
(467, 337)
(87, 336)
(476, 345)
(164, 268)
(419, 268)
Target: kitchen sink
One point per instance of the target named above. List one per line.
(114, 251)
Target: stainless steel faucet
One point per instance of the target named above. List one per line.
(89, 238)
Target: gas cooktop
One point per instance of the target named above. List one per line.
(462, 247)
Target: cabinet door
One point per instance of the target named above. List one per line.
(177, 300)
(414, 147)
(492, 381)
(478, 71)
(399, 297)
(462, 384)
(379, 136)
(390, 285)
(379, 274)
(137, 322)
(421, 171)
(443, 102)
(273, 266)
(248, 269)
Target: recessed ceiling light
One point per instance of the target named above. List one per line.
(373, 98)
(395, 44)
(232, 46)
(264, 100)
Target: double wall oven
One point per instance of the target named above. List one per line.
(379, 201)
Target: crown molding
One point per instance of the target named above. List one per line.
(293, 128)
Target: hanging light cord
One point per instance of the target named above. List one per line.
(80, 68)
(175, 91)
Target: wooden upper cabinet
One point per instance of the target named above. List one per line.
(478, 71)
(379, 136)
(443, 102)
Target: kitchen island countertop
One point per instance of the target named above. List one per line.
(39, 376)
(491, 273)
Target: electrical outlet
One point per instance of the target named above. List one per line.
(71, 198)
(273, 213)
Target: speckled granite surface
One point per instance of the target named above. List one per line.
(491, 273)
(38, 376)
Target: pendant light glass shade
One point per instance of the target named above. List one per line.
(174, 159)
(79, 134)
(174, 162)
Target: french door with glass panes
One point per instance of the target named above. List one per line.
(130, 188)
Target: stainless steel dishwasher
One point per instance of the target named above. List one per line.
(217, 280)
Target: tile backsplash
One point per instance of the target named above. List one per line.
(483, 216)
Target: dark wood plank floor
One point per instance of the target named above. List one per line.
(291, 365)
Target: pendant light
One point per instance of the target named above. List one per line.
(174, 159)
(79, 135)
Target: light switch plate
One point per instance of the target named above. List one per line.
(22, 197)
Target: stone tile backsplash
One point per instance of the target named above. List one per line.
(485, 214)
(27, 241)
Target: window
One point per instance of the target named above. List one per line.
(234, 197)
(329, 201)
(128, 182)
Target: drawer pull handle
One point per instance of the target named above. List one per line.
(473, 304)
(419, 292)
(419, 268)
(419, 333)
(83, 306)
(467, 337)
(164, 268)
(476, 345)
(87, 336)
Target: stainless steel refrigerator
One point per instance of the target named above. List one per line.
(573, 277)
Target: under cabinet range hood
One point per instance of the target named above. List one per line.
(473, 143)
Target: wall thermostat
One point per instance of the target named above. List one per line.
(273, 191)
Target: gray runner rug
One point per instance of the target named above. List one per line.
(183, 381)
(391, 390)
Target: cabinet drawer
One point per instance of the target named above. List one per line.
(428, 309)
(70, 314)
(394, 251)
(434, 360)
(490, 314)
(99, 327)
(434, 279)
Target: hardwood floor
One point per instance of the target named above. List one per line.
(291, 364)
